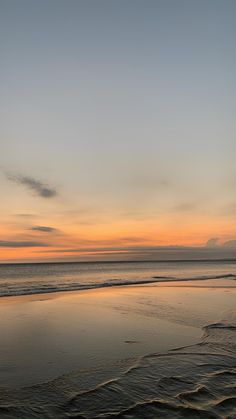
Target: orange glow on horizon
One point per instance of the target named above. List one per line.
(97, 239)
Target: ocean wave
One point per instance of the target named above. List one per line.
(196, 381)
(15, 290)
(197, 278)
(8, 289)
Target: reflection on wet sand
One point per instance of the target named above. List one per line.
(87, 353)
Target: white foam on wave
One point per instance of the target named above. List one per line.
(7, 290)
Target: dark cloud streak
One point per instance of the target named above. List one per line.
(44, 229)
(40, 188)
(20, 244)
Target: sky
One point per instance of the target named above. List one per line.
(117, 136)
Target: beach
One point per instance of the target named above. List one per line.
(117, 215)
(148, 350)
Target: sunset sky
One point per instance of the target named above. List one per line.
(118, 129)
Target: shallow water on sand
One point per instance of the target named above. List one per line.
(113, 353)
(43, 337)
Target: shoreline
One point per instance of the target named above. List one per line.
(179, 304)
(229, 282)
(57, 332)
(73, 352)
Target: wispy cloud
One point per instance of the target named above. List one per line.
(24, 215)
(150, 181)
(35, 185)
(175, 252)
(17, 244)
(215, 243)
(185, 207)
(230, 244)
(133, 249)
(44, 229)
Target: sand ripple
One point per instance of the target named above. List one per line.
(192, 382)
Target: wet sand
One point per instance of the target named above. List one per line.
(57, 348)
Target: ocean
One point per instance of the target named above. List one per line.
(39, 278)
